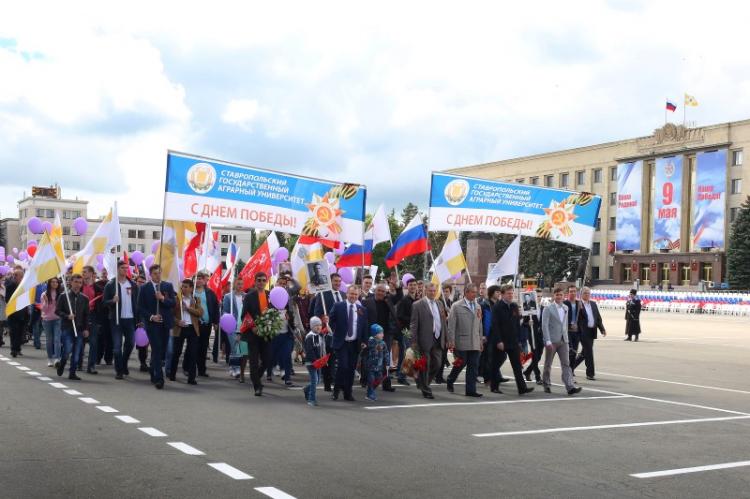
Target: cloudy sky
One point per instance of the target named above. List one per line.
(92, 95)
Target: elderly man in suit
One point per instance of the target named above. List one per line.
(555, 337)
(348, 320)
(428, 335)
(156, 301)
(465, 336)
(589, 322)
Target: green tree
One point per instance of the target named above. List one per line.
(738, 254)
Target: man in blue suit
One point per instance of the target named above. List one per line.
(156, 301)
(348, 320)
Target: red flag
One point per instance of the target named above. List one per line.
(191, 257)
(328, 243)
(126, 259)
(259, 262)
(216, 283)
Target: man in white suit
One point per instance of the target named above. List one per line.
(555, 335)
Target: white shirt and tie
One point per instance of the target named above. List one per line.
(589, 314)
(561, 312)
(352, 321)
(436, 325)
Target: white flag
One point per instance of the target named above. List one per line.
(381, 231)
(508, 263)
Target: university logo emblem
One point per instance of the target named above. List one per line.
(669, 169)
(456, 191)
(201, 177)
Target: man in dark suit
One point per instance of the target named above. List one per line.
(348, 320)
(381, 311)
(574, 335)
(209, 320)
(121, 298)
(589, 323)
(506, 323)
(429, 332)
(156, 301)
(256, 302)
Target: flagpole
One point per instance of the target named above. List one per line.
(445, 303)
(117, 283)
(161, 239)
(65, 285)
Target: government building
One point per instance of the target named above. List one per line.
(668, 200)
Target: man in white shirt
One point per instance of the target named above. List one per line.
(589, 322)
(555, 337)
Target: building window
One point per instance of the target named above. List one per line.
(564, 179)
(595, 273)
(141, 247)
(66, 231)
(598, 176)
(612, 198)
(534, 180)
(156, 234)
(598, 225)
(613, 174)
(72, 245)
(44, 213)
(132, 233)
(737, 158)
(733, 214)
(519, 180)
(548, 180)
(736, 186)
(131, 247)
(612, 223)
(225, 238)
(223, 252)
(610, 272)
(595, 249)
(580, 178)
(141, 234)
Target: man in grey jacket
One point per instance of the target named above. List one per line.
(465, 336)
(555, 335)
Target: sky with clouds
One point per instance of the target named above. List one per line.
(92, 94)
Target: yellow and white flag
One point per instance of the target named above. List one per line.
(106, 237)
(168, 253)
(451, 259)
(690, 100)
(301, 254)
(56, 237)
(44, 266)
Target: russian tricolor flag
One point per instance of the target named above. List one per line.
(412, 241)
(671, 106)
(357, 255)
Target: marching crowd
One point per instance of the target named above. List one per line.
(373, 332)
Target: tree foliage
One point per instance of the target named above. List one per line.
(738, 254)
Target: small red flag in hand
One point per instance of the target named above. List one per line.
(321, 362)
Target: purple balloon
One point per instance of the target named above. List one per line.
(330, 257)
(10, 259)
(154, 246)
(347, 275)
(149, 261)
(281, 255)
(100, 258)
(228, 323)
(99, 267)
(80, 225)
(2, 258)
(35, 225)
(343, 287)
(4, 269)
(279, 297)
(15, 251)
(137, 257)
(23, 256)
(332, 269)
(47, 227)
(141, 338)
(405, 278)
(32, 242)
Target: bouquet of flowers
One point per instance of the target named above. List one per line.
(420, 364)
(406, 332)
(458, 362)
(269, 324)
(413, 363)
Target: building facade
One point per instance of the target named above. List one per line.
(668, 199)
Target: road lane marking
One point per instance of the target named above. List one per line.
(88, 400)
(33, 373)
(695, 469)
(152, 432)
(274, 493)
(73, 392)
(23, 368)
(230, 471)
(492, 402)
(14, 363)
(44, 378)
(606, 426)
(127, 419)
(106, 408)
(57, 385)
(187, 449)
(707, 387)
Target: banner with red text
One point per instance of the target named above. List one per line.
(629, 205)
(709, 199)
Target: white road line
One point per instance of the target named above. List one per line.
(14, 364)
(44, 378)
(231, 471)
(187, 449)
(606, 426)
(152, 432)
(696, 469)
(717, 388)
(106, 408)
(493, 402)
(33, 373)
(23, 368)
(127, 419)
(88, 400)
(274, 492)
(73, 392)
(57, 385)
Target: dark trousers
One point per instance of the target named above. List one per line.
(122, 339)
(434, 365)
(587, 355)
(537, 351)
(187, 334)
(16, 334)
(260, 358)
(471, 363)
(515, 362)
(495, 359)
(158, 335)
(574, 339)
(106, 347)
(203, 340)
(142, 355)
(221, 338)
(329, 371)
(346, 362)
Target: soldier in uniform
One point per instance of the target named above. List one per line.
(633, 316)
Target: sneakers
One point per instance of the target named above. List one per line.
(371, 398)
(50, 363)
(312, 403)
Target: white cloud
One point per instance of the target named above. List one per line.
(240, 112)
